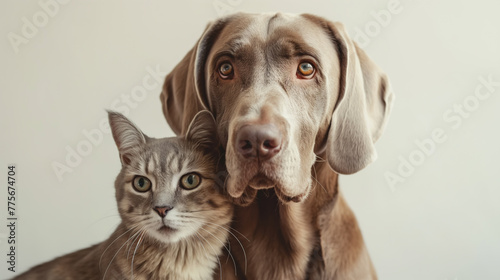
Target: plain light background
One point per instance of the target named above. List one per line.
(441, 222)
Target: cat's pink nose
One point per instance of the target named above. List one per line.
(162, 210)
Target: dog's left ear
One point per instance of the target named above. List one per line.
(363, 105)
(184, 92)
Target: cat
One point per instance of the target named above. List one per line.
(175, 216)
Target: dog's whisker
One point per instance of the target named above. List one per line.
(317, 182)
(320, 159)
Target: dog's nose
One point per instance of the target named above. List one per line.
(262, 141)
(162, 210)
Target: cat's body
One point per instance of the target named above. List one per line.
(175, 217)
(150, 261)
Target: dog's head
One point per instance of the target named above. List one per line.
(283, 89)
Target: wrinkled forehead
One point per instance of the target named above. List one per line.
(279, 35)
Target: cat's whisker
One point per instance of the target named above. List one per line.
(105, 250)
(237, 239)
(135, 251)
(241, 245)
(131, 244)
(102, 218)
(197, 236)
(203, 210)
(114, 256)
(216, 255)
(232, 229)
(132, 238)
(228, 244)
(223, 244)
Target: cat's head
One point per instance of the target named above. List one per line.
(168, 187)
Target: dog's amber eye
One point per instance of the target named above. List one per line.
(226, 70)
(305, 70)
(141, 184)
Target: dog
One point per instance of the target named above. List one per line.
(296, 102)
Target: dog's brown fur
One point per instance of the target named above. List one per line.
(299, 226)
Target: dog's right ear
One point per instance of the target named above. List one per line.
(184, 92)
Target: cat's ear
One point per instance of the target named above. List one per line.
(126, 135)
(203, 131)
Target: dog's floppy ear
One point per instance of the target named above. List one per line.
(184, 91)
(364, 102)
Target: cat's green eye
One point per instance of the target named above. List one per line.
(190, 181)
(141, 184)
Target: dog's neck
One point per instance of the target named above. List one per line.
(325, 186)
(297, 235)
